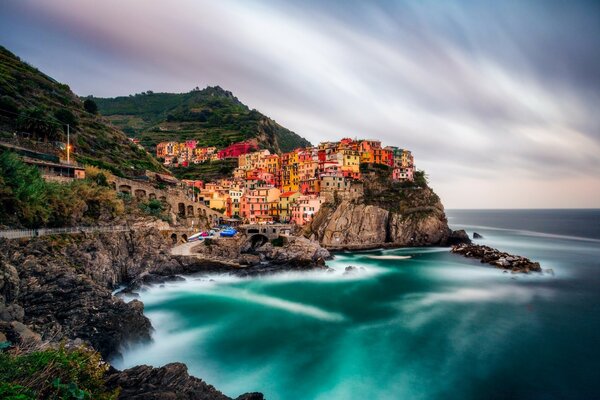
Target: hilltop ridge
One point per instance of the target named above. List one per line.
(212, 116)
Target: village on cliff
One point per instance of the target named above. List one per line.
(290, 187)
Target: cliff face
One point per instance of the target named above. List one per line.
(61, 287)
(387, 215)
(354, 224)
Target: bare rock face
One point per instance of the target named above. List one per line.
(354, 225)
(62, 287)
(293, 252)
(171, 381)
(414, 217)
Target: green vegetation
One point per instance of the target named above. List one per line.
(154, 208)
(37, 105)
(90, 106)
(53, 374)
(398, 197)
(27, 200)
(278, 241)
(212, 116)
(208, 171)
(420, 179)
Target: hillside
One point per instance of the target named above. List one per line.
(212, 116)
(35, 105)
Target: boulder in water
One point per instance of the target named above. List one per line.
(477, 236)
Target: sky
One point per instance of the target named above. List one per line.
(498, 100)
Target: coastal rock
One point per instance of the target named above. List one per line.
(409, 217)
(458, 237)
(497, 258)
(477, 236)
(294, 253)
(171, 381)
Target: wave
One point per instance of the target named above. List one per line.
(280, 304)
(390, 257)
(531, 233)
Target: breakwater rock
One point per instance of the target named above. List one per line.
(497, 258)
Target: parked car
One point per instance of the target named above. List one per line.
(229, 232)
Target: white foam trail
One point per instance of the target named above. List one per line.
(275, 302)
(513, 294)
(389, 257)
(531, 233)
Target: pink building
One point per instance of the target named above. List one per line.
(304, 209)
(237, 149)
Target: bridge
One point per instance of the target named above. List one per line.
(271, 231)
(176, 200)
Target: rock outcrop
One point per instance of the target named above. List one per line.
(62, 288)
(243, 256)
(171, 381)
(497, 258)
(384, 218)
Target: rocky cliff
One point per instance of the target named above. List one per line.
(59, 289)
(387, 215)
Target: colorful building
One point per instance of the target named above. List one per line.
(237, 149)
(304, 209)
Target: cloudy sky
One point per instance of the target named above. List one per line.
(498, 100)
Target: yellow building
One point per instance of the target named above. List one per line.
(285, 202)
(289, 172)
(349, 160)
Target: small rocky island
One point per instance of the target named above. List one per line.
(497, 258)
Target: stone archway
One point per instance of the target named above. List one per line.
(174, 238)
(181, 209)
(125, 189)
(152, 196)
(258, 240)
(140, 193)
(190, 211)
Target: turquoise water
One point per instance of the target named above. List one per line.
(412, 324)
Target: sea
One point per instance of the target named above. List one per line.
(416, 323)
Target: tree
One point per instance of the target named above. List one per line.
(37, 122)
(420, 179)
(66, 117)
(90, 106)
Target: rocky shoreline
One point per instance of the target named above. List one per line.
(59, 290)
(497, 258)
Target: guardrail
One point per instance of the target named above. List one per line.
(30, 233)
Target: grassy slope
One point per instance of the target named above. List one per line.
(96, 142)
(212, 116)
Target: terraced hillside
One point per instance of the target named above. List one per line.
(212, 116)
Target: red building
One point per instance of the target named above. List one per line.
(237, 149)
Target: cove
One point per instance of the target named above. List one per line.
(415, 323)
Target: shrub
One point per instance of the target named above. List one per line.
(421, 179)
(90, 106)
(26, 199)
(66, 117)
(38, 123)
(153, 207)
(53, 374)
(278, 242)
